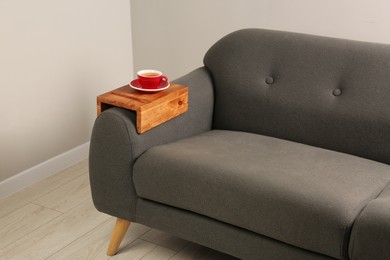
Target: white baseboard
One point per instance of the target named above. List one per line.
(43, 170)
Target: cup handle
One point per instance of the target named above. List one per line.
(163, 79)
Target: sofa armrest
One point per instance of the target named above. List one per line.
(370, 237)
(115, 144)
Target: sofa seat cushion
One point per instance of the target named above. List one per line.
(302, 195)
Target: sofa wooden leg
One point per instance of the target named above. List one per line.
(118, 234)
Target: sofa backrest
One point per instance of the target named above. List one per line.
(320, 91)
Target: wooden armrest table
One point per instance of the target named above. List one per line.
(152, 109)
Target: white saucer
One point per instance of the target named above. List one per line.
(137, 86)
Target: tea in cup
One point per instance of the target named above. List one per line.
(151, 79)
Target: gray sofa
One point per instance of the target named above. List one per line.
(284, 152)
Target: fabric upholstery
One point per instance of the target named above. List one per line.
(115, 144)
(370, 238)
(326, 92)
(301, 195)
(235, 241)
(261, 186)
(110, 164)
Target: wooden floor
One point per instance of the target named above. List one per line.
(55, 219)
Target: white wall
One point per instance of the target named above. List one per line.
(173, 35)
(56, 56)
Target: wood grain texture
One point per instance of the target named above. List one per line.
(152, 109)
(120, 229)
(93, 245)
(135, 250)
(27, 195)
(56, 234)
(67, 196)
(159, 253)
(23, 221)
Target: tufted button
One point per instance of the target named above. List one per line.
(269, 80)
(336, 92)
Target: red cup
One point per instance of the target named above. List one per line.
(151, 79)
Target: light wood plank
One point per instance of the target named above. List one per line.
(25, 196)
(135, 250)
(93, 245)
(165, 240)
(68, 195)
(22, 222)
(159, 253)
(56, 234)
